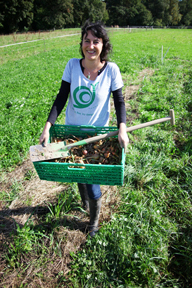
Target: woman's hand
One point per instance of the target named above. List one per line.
(45, 135)
(122, 136)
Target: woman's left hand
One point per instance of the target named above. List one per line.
(122, 136)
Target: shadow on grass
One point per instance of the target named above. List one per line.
(8, 224)
(181, 257)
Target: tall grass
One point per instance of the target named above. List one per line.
(147, 243)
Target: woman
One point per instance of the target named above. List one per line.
(90, 81)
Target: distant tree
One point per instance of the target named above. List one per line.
(142, 17)
(49, 14)
(78, 12)
(159, 10)
(128, 12)
(175, 16)
(16, 15)
(98, 11)
(117, 13)
(165, 12)
(95, 10)
(185, 8)
(1, 19)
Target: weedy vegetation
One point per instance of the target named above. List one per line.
(145, 238)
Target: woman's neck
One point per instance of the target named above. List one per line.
(92, 68)
(92, 65)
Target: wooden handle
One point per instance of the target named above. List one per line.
(129, 129)
(172, 115)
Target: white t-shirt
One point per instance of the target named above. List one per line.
(89, 101)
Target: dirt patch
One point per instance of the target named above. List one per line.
(131, 91)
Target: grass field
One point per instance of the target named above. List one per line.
(145, 238)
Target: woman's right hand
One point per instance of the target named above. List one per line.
(45, 134)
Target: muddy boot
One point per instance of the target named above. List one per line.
(84, 195)
(94, 207)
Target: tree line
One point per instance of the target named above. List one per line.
(34, 15)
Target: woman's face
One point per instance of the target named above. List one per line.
(92, 46)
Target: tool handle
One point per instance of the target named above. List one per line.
(171, 118)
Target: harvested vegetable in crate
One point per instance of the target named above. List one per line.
(105, 151)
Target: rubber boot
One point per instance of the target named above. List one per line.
(94, 208)
(84, 195)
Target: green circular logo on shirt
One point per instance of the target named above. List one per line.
(83, 96)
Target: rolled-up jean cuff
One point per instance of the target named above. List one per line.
(94, 191)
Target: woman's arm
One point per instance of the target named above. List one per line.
(60, 102)
(121, 117)
(56, 109)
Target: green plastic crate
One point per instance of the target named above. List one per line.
(91, 173)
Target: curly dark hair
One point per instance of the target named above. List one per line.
(98, 30)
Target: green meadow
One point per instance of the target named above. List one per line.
(147, 240)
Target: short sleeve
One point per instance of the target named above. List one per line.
(117, 81)
(67, 72)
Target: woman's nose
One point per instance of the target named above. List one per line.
(91, 45)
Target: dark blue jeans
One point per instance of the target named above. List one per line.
(94, 191)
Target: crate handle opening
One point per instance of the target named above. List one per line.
(76, 167)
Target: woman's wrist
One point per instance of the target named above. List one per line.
(122, 127)
(47, 126)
